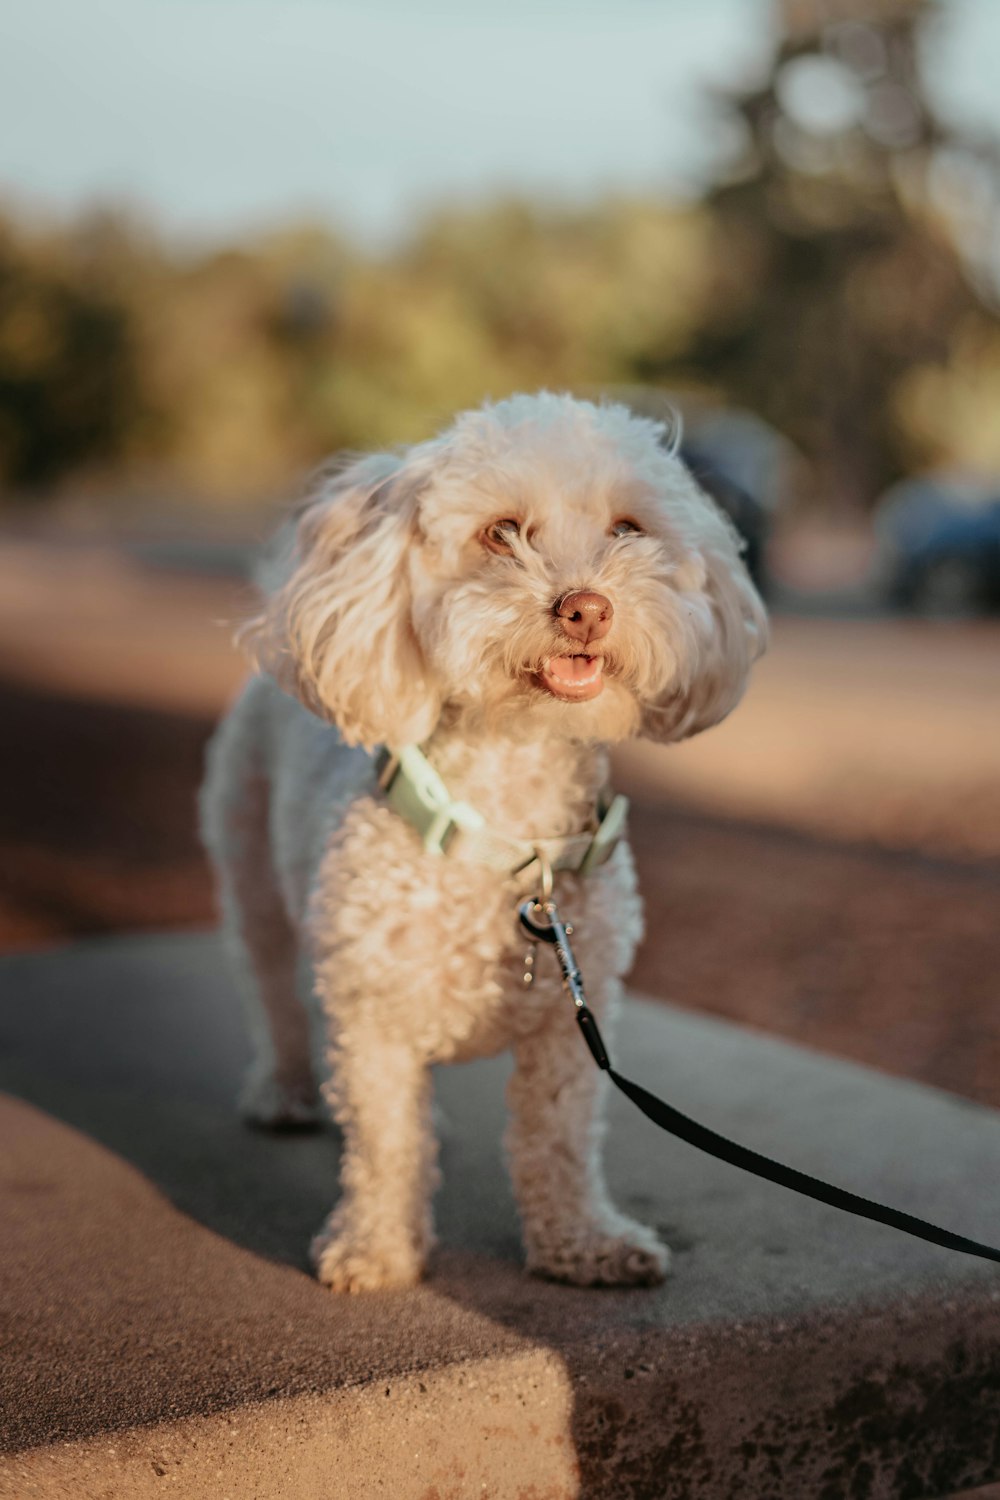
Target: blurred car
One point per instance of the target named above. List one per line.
(748, 468)
(747, 513)
(736, 457)
(939, 546)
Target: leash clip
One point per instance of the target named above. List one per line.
(541, 921)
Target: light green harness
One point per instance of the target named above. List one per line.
(414, 789)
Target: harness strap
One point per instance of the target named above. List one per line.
(446, 825)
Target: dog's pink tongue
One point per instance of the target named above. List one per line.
(570, 668)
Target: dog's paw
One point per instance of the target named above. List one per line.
(269, 1104)
(593, 1255)
(347, 1264)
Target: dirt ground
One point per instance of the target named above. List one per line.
(888, 957)
(825, 866)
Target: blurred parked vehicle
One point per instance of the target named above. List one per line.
(746, 466)
(737, 457)
(745, 510)
(939, 545)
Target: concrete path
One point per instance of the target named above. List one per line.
(161, 1334)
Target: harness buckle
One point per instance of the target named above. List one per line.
(609, 831)
(440, 832)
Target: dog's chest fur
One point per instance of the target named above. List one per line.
(434, 940)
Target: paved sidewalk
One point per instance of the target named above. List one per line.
(160, 1331)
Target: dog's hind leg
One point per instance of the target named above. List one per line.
(279, 1091)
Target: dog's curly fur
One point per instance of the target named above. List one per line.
(398, 616)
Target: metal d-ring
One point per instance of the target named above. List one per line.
(545, 866)
(529, 913)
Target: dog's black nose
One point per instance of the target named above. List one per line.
(585, 616)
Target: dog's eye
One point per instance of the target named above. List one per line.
(499, 535)
(624, 527)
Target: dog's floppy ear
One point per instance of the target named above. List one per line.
(337, 630)
(723, 629)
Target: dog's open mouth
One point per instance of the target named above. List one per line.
(573, 678)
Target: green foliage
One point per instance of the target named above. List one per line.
(68, 367)
(838, 283)
(227, 374)
(827, 282)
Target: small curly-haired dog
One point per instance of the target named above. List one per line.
(540, 581)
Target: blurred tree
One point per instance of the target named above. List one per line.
(69, 384)
(836, 272)
(225, 374)
(570, 297)
(839, 279)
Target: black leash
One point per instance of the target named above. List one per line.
(541, 922)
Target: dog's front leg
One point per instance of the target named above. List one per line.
(572, 1232)
(380, 1232)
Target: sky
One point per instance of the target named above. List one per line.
(221, 117)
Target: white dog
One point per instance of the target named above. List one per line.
(540, 581)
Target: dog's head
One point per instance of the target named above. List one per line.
(545, 563)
